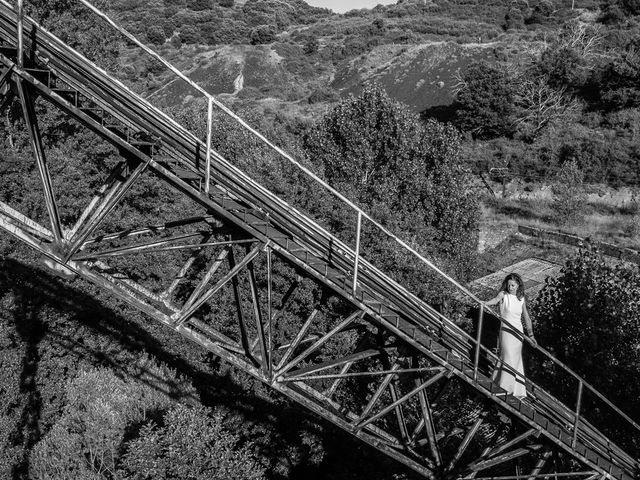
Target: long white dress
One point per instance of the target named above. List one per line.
(511, 348)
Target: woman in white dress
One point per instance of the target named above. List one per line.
(513, 310)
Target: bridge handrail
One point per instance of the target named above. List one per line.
(361, 213)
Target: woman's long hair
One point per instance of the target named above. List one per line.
(517, 278)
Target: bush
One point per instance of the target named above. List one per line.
(101, 407)
(192, 443)
(262, 34)
(570, 198)
(563, 67)
(486, 101)
(155, 34)
(190, 34)
(168, 27)
(323, 95)
(513, 19)
(589, 317)
(200, 5)
(380, 155)
(311, 46)
(620, 81)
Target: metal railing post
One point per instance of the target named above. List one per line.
(207, 171)
(357, 259)
(578, 406)
(476, 359)
(20, 42)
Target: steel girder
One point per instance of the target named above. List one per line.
(346, 365)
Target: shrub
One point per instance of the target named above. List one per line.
(379, 154)
(190, 34)
(168, 27)
(101, 407)
(200, 5)
(589, 317)
(486, 101)
(192, 443)
(514, 19)
(620, 81)
(311, 46)
(262, 34)
(569, 193)
(155, 34)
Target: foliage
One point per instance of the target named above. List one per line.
(539, 105)
(262, 34)
(486, 100)
(156, 34)
(589, 317)
(562, 67)
(79, 28)
(85, 442)
(569, 195)
(106, 416)
(376, 152)
(620, 81)
(311, 46)
(514, 19)
(192, 443)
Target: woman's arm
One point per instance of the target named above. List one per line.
(496, 300)
(528, 326)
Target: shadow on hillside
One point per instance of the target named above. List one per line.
(50, 313)
(441, 113)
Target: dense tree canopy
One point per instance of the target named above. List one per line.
(590, 318)
(487, 101)
(407, 173)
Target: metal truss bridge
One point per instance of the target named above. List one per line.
(389, 368)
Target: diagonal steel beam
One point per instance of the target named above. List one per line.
(492, 452)
(400, 418)
(298, 338)
(348, 359)
(28, 225)
(204, 281)
(540, 464)
(38, 151)
(427, 421)
(505, 457)
(104, 191)
(168, 292)
(342, 376)
(272, 317)
(321, 341)
(257, 314)
(165, 244)
(345, 368)
(466, 441)
(185, 313)
(363, 423)
(154, 229)
(242, 321)
(5, 76)
(378, 393)
(104, 208)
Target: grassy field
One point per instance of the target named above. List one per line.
(609, 216)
